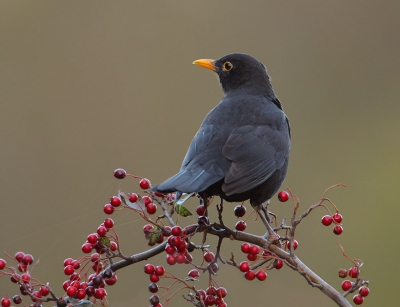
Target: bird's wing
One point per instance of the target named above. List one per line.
(256, 152)
(200, 169)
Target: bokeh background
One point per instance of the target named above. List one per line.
(87, 87)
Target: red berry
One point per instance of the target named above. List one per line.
(147, 200)
(189, 259)
(89, 290)
(182, 246)
(159, 270)
(283, 196)
(144, 183)
(194, 273)
(168, 231)
(149, 269)
(71, 291)
(87, 248)
(94, 257)
(326, 220)
(28, 259)
(251, 257)
(337, 217)
(151, 208)
(261, 275)
(278, 264)
(209, 256)
(169, 249)
(100, 293)
(113, 246)
(154, 278)
(119, 173)
(147, 228)
(101, 231)
(115, 201)
(295, 244)
(176, 231)
(364, 291)
(68, 270)
(221, 292)
(174, 241)
(354, 272)
(210, 300)
(241, 225)
(22, 267)
(239, 210)
(358, 299)
(201, 210)
(153, 288)
(44, 290)
(25, 278)
(171, 259)
(133, 197)
(245, 248)
(5, 302)
(180, 258)
(2, 264)
(249, 275)
(108, 209)
(19, 256)
(81, 294)
(108, 223)
(244, 266)
(255, 249)
(92, 238)
(337, 230)
(202, 293)
(66, 284)
(346, 285)
(211, 290)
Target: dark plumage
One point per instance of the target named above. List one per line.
(241, 150)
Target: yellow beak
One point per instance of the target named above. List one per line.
(206, 63)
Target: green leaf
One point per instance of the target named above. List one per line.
(154, 236)
(182, 211)
(104, 241)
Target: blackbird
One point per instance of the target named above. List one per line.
(241, 150)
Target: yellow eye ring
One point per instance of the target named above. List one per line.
(227, 66)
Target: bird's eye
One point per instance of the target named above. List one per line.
(227, 66)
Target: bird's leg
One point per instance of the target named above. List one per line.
(265, 210)
(220, 208)
(263, 213)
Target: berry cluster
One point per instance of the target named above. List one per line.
(213, 296)
(353, 272)
(155, 273)
(336, 219)
(101, 240)
(177, 247)
(28, 286)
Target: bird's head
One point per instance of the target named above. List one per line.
(237, 70)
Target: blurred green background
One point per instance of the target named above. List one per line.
(90, 86)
